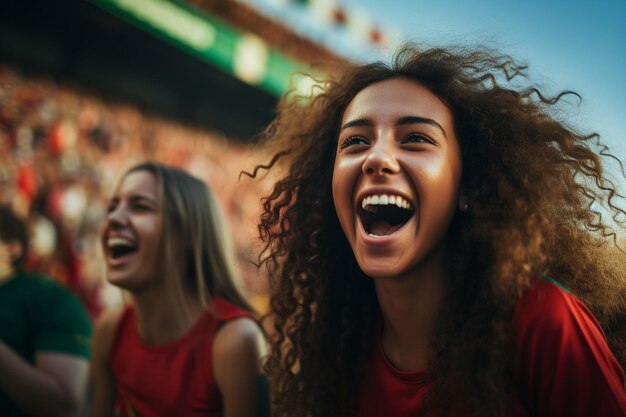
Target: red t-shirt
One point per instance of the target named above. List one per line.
(562, 362)
(173, 379)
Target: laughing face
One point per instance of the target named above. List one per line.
(396, 177)
(131, 233)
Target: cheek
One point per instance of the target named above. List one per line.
(342, 198)
(149, 232)
(438, 187)
(442, 189)
(337, 187)
(102, 231)
(345, 175)
(441, 175)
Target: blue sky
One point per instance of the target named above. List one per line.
(577, 45)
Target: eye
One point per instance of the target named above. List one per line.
(353, 140)
(417, 138)
(142, 207)
(111, 206)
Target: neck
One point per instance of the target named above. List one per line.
(409, 306)
(162, 318)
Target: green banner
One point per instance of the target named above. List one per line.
(238, 53)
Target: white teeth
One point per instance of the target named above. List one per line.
(120, 241)
(384, 200)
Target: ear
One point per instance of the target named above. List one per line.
(16, 250)
(463, 203)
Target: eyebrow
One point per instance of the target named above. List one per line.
(357, 122)
(136, 198)
(406, 120)
(140, 197)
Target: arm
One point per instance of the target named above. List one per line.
(103, 379)
(236, 353)
(564, 365)
(54, 382)
(57, 381)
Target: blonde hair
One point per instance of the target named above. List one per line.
(192, 217)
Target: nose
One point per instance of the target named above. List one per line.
(381, 159)
(116, 216)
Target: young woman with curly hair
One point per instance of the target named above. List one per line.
(423, 217)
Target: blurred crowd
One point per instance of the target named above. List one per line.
(62, 150)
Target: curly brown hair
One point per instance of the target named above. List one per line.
(532, 182)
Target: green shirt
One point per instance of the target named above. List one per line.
(39, 315)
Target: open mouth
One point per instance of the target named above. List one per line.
(382, 215)
(119, 247)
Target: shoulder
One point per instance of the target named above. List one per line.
(237, 333)
(59, 320)
(46, 291)
(549, 305)
(236, 366)
(37, 283)
(550, 322)
(237, 349)
(559, 341)
(235, 326)
(237, 336)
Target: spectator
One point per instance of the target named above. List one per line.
(187, 344)
(45, 335)
(424, 206)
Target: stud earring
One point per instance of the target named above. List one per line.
(463, 204)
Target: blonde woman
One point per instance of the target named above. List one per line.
(187, 344)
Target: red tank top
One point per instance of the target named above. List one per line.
(173, 379)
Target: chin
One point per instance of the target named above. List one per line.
(379, 270)
(122, 280)
(118, 281)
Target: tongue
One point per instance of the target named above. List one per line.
(380, 228)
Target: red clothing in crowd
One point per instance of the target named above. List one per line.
(174, 379)
(563, 365)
